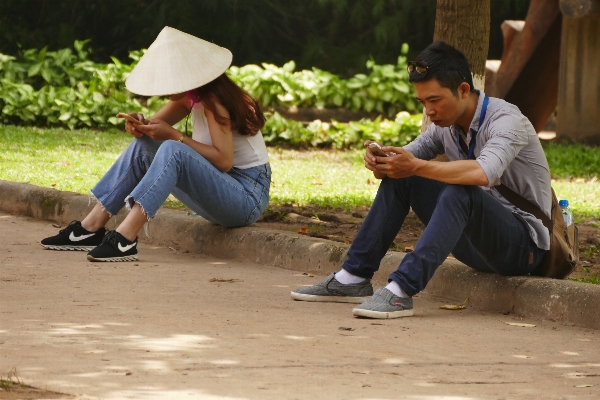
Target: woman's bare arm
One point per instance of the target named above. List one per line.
(219, 154)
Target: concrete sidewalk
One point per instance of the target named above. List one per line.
(182, 325)
(566, 302)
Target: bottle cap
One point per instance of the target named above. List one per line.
(563, 203)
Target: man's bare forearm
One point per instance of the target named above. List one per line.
(465, 172)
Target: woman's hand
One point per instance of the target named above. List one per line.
(132, 128)
(158, 129)
(171, 113)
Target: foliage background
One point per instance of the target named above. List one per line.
(65, 88)
(334, 35)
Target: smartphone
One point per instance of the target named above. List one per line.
(129, 118)
(375, 149)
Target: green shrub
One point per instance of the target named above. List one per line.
(338, 135)
(65, 88)
(385, 90)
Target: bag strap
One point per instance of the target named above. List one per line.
(516, 199)
(524, 204)
(513, 197)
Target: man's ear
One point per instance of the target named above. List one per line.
(464, 89)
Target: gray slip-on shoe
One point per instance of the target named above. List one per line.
(385, 305)
(332, 290)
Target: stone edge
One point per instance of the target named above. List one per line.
(565, 302)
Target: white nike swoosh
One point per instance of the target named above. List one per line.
(74, 238)
(125, 248)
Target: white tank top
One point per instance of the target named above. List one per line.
(248, 151)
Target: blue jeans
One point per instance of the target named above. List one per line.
(462, 220)
(149, 170)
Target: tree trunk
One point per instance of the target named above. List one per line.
(579, 82)
(465, 24)
(579, 8)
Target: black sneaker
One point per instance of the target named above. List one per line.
(74, 237)
(113, 248)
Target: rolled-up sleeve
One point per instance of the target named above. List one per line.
(426, 146)
(505, 138)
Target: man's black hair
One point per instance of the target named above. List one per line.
(446, 64)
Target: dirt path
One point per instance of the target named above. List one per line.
(180, 325)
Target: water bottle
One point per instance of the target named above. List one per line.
(566, 211)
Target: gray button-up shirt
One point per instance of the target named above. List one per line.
(508, 150)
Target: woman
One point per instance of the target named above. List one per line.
(221, 172)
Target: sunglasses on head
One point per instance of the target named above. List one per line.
(422, 68)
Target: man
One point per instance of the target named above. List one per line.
(489, 142)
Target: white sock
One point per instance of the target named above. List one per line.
(395, 288)
(346, 278)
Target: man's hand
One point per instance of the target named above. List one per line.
(404, 164)
(371, 161)
(400, 165)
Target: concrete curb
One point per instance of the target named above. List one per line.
(567, 302)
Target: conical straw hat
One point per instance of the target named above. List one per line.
(177, 62)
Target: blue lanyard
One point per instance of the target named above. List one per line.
(471, 153)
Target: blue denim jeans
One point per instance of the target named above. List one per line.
(149, 170)
(462, 220)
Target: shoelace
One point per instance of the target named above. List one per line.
(69, 227)
(111, 238)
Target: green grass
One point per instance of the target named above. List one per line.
(5, 384)
(10, 380)
(583, 196)
(59, 158)
(76, 160)
(575, 171)
(327, 178)
(592, 279)
(573, 160)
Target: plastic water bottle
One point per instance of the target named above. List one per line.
(566, 211)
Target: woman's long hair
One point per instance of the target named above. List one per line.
(245, 114)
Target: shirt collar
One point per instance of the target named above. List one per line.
(475, 122)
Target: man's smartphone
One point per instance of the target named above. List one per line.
(375, 149)
(130, 118)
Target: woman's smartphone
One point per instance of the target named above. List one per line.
(130, 118)
(375, 149)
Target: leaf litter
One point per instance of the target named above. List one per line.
(522, 325)
(456, 306)
(225, 280)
